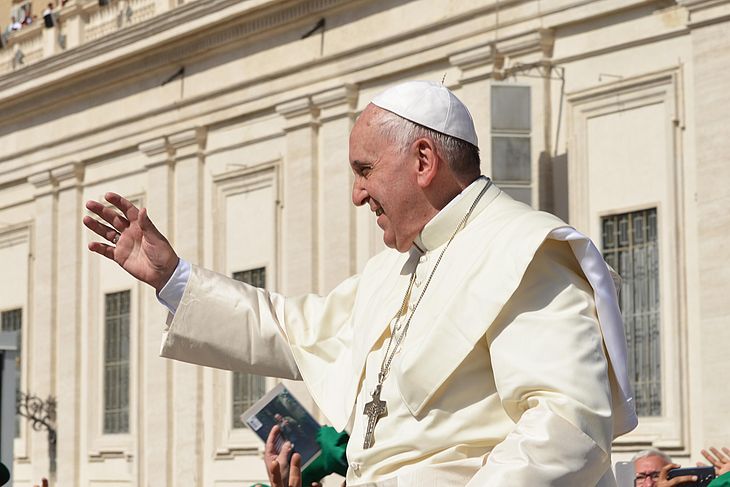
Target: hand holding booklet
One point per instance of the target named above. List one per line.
(280, 407)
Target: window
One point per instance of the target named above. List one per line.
(247, 388)
(116, 362)
(511, 154)
(630, 247)
(12, 320)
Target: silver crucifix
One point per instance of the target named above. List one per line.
(374, 410)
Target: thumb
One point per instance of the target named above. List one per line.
(145, 223)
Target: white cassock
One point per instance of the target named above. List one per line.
(504, 378)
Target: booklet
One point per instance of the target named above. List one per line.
(280, 407)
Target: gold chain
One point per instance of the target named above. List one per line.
(389, 355)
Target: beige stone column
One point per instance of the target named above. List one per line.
(300, 235)
(187, 380)
(155, 405)
(711, 56)
(42, 321)
(475, 68)
(69, 179)
(337, 231)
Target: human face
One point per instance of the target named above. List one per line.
(647, 470)
(385, 180)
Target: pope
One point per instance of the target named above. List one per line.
(484, 347)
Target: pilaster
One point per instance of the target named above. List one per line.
(68, 179)
(300, 239)
(187, 152)
(710, 24)
(42, 329)
(155, 438)
(337, 233)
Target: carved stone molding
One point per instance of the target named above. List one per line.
(154, 147)
(41, 180)
(706, 12)
(481, 62)
(188, 143)
(173, 47)
(299, 113)
(68, 175)
(196, 136)
(158, 151)
(336, 103)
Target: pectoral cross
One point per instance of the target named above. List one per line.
(374, 410)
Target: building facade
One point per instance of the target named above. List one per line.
(229, 121)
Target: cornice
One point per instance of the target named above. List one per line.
(299, 113)
(154, 147)
(695, 5)
(71, 170)
(345, 94)
(41, 179)
(205, 31)
(336, 103)
(706, 12)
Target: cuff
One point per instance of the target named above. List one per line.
(171, 293)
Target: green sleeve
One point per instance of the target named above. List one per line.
(721, 481)
(331, 459)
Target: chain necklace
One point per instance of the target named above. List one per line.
(376, 408)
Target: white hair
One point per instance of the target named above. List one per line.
(651, 452)
(462, 157)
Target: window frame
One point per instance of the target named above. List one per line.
(532, 186)
(106, 364)
(653, 88)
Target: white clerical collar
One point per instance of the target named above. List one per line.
(442, 226)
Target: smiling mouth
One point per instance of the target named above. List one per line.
(378, 212)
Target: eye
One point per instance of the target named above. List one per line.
(361, 169)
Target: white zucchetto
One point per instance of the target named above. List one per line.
(432, 105)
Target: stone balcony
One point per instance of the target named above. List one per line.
(77, 22)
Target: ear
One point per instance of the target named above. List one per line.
(428, 161)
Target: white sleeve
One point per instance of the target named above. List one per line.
(551, 372)
(171, 293)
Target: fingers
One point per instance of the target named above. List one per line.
(129, 210)
(720, 457)
(295, 472)
(270, 450)
(109, 215)
(676, 480)
(100, 229)
(103, 249)
(283, 456)
(146, 224)
(682, 480)
(275, 474)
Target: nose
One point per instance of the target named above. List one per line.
(359, 193)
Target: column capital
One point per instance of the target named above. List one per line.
(158, 151)
(299, 113)
(41, 180)
(188, 143)
(336, 103)
(489, 60)
(68, 175)
(705, 12)
(194, 136)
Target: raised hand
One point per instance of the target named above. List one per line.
(277, 461)
(719, 460)
(135, 244)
